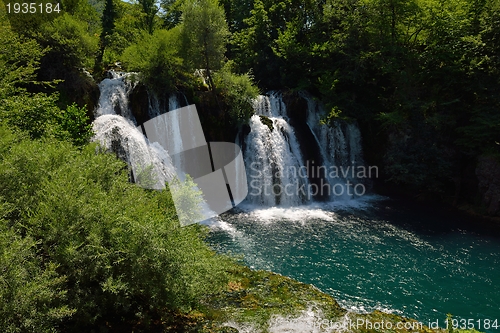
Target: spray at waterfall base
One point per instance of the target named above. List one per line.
(333, 181)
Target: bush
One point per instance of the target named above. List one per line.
(34, 114)
(238, 92)
(31, 293)
(121, 249)
(156, 58)
(75, 123)
(38, 116)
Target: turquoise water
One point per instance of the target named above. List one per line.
(378, 254)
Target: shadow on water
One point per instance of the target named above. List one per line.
(429, 219)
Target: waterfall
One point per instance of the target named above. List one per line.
(340, 147)
(114, 95)
(276, 171)
(170, 131)
(117, 132)
(272, 157)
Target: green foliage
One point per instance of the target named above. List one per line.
(204, 35)
(171, 12)
(19, 59)
(127, 29)
(188, 200)
(38, 116)
(69, 41)
(238, 93)
(83, 11)
(335, 114)
(118, 251)
(150, 10)
(156, 58)
(252, 46)
(109, 16)
(34, 114)
(75, 122)
(31, 291)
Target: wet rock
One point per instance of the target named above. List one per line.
(488, 175)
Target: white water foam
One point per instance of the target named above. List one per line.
(114, 95)
(311, 320)
(270, 155)
(298, 213)
(324, 211)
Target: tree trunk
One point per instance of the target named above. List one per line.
(210, 80)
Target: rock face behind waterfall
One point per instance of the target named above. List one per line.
(488, 175)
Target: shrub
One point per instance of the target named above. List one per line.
(75, 123)
(238, 92)
(31, 292)
(121, 249)
(156, 58)
(35, 114)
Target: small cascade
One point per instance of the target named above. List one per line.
(115, 129)
(341, 150)
(150, 163)
(270, 106)
(272, 157)
(114, 95)
(171, 129)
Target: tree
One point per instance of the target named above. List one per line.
(156, 58)
(108, 25)
(150, 10)
(204, 35)
(172, 12)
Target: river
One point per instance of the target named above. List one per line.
(375, 253)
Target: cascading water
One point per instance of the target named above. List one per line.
(114, 95)
(150, 163)
(170, 131)
(276, 171)
(273, 158)
(341, 151)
